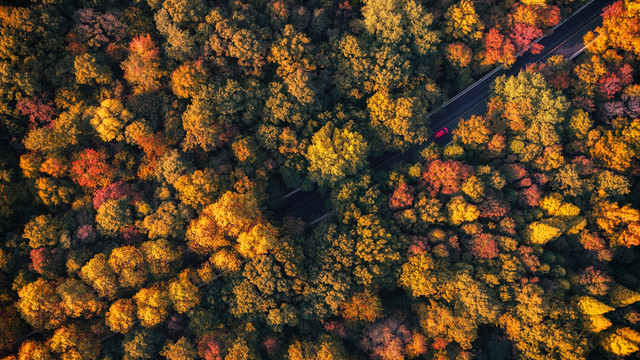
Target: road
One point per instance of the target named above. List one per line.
(566, 40)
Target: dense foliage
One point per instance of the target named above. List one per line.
(147, 144)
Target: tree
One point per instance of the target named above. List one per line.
(188, 78)
(541, 232)
(183, 293)
(591, 306)
(619, 345)
(240, 350)
(363, 306)
(207, 123)
(459, 211)
(179, 350)
(160, 256)
(199, 188)
(91, 169)
(110, 120)
(113, 216)
(258, 241)
(54, 192)
(336, 153)
(142, 66)
(397, 123)
(463, 22)
(153, 306)
(168, 221)
(472, 132)
(34, 350)
(43, 230)
(401, 22)
(121, 316)
(235, 213)
(141, 344)
(612, 152)
(129, 263)
(459, 55)
(498, 49)
(620, 296)
(89, 71)
(204, 236)
(97, 273)
(71, 342)
(78, 299)
(40, 305)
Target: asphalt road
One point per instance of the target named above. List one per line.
(566, 40)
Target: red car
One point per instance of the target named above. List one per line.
(440, 133)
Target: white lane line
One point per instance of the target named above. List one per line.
(293, 192)
(583, 48)
(320, 218)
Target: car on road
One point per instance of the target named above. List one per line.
(440, 133)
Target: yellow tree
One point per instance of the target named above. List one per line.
(183, 293)
(97, 273)
(40, 305)
(121, 316)
(110, 119)
(396, 122)
(153, 306)
(128, 262)
(472, 132)
(463, 22)
(335, 154)
(612, 152)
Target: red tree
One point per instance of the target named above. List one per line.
(92, 170)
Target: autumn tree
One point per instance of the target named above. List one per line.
(142, 66)
(40, 305)
(397, 123)
(129, 263)
(463, 22)
(121, 315)
(97, 273)
(91, 169)
(110, 120)
(336, 153)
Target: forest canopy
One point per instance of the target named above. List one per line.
(149, 148)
